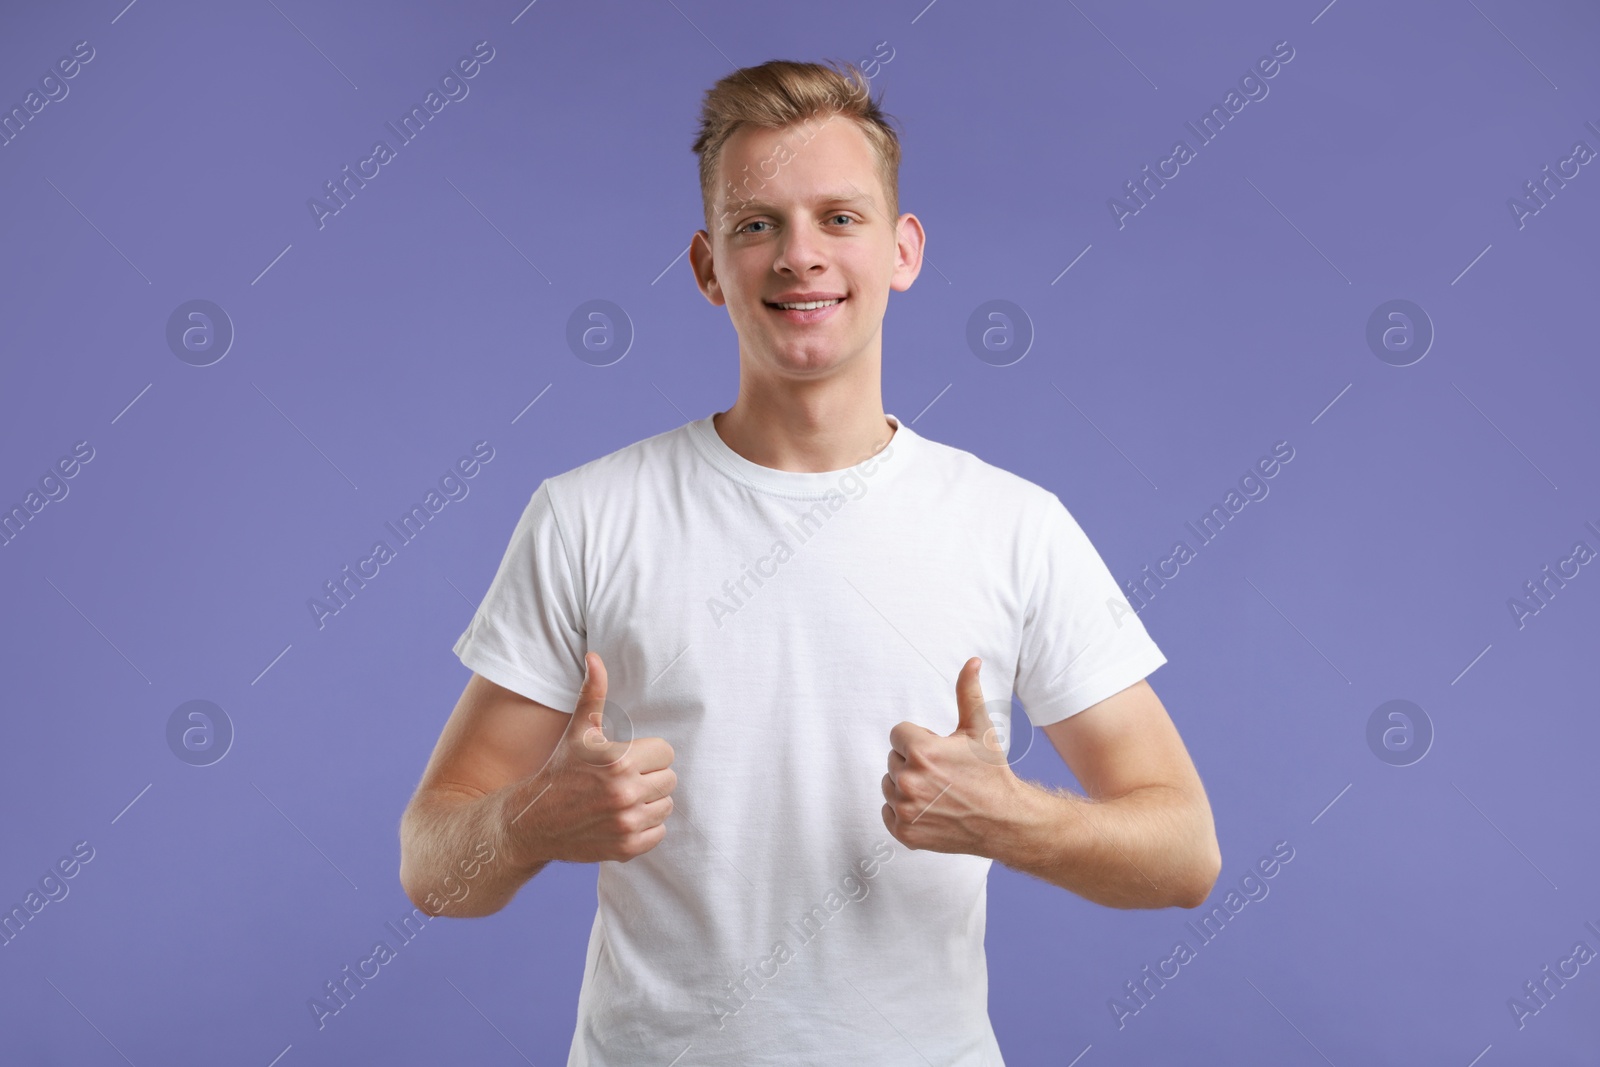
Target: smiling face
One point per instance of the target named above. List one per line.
(808, 223)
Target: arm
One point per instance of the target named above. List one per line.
(1143, 837)
(513, 784)
(455, 856)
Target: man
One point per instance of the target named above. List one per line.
(702, 652)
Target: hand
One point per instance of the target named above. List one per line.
(956, 793)
(594, 799)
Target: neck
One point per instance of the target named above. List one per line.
(820, 426)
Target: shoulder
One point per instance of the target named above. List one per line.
(974, 480)
(624, 464)
(621, 473)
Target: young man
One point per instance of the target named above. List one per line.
(702, 652)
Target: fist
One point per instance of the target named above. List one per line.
(595, 798)
(955, 793)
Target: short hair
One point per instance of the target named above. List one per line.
(779, 94)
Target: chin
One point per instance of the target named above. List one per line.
(810, 360)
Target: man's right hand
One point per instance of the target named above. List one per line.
(594, 799)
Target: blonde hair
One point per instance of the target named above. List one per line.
(779, 94)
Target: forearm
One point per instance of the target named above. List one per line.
(456, 857)
(1151, 848)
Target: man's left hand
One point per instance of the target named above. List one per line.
(955, 793)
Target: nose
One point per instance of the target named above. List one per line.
(799, 251)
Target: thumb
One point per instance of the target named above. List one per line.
(972, 717)
(588, 718)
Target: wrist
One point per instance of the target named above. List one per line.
(515, 830)
(1035, 830)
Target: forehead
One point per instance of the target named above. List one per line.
(825, 158)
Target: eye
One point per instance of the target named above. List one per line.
(753, 222)
(847, 218)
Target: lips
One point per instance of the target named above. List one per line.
(811, 315)
(803, 298)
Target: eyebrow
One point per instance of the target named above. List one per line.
(736, 204)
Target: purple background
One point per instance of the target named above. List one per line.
(1229, 314)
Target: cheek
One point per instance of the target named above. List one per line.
(742, 282)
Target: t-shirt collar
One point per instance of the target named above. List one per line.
(902, 445)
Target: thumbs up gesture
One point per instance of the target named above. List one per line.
(955, 793)
(596, 798)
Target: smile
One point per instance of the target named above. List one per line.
(808, 311)
(809, 305)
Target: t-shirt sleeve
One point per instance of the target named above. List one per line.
(529, 633)
(1081, 642)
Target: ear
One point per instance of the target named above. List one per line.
(704, 267)
(909, 242)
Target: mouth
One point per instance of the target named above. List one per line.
(807, 311)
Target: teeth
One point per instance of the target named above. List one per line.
(809, 305)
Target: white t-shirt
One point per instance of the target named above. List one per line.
(773, 626)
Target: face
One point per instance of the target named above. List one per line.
(801, 213)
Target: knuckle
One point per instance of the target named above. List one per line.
(618, 794)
